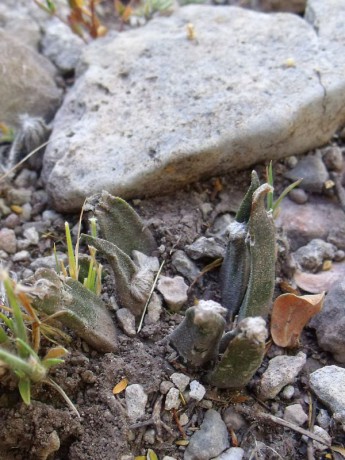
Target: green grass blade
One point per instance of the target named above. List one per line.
(8, 321)
(18, 322)
(73, 272)
(269, 173)
(24, 386)
(3, 336)
(284, 193)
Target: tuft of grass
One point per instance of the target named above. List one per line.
(93, 281)
(19, 352)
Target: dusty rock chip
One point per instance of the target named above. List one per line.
(312, 170)
(184, 265)
(311, 256)
(136, 400)
(248, 81)
(180, 380)
(281, 371)
(295, 414)
(172, 400)
(174, 291)
(205, 247)
(234, 453)
(8, 240)
(210, 441)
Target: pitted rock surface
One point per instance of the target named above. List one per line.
(152, 110)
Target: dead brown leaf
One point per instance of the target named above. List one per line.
(290, 314)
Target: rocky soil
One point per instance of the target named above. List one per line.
(303, 387)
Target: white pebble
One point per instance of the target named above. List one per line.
(172, 400)
(197, 391)
(180, 380)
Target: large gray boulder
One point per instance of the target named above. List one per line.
(152, 110)
(26, 82)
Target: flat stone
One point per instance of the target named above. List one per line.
(324, 435)
(234, 453)
(313, 172)
(251, 86)
(311, 256)
(154, 309)
(127, 321)
(8, 240)
(295, 414)
(184, 265)
(181, 381)
(281, 371)
(314, 219)
(174, 291)
(211, 440)
(172, 400)
(136, 400)
(330, 322)
(205, 247)
(33, 90)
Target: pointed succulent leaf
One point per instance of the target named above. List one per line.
(242, 356)
(78, 308)
(243, 213)
(131, 283)
(258, 298)
(234, 274)
(196, 339)
(120, 224)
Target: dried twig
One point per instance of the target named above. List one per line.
(155, 420)
(263, 417)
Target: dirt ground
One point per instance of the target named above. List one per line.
(48, 429)
(88, 377)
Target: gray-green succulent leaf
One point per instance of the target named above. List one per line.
(243, 355)
(197, 338)
(120, 224)
(75, 306)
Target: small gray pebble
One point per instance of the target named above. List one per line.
(165, 386)
(333, 158)
(339, 255)
(288, 392)
(21, 256)
(298, 195)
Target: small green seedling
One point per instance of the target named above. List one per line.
(271, 204)
(93, 280)
(17, 351)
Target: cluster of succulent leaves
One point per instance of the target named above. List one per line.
(19, 349)
(74, 298)
(247, 283)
